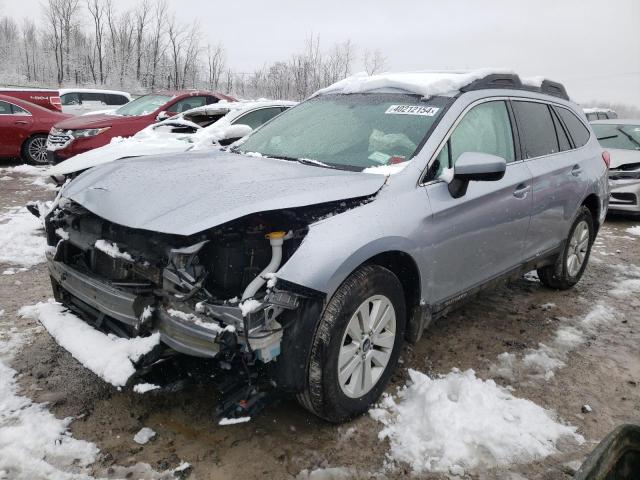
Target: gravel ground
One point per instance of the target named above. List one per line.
(284, 440)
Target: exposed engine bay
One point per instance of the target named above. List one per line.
(211, 294)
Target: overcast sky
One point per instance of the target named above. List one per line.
(592, 46)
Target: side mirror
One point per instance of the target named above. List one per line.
(475, 166)
(162, 116)
(234, 132)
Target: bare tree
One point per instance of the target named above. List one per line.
(374, 62)
(97, 11)
(141, 15)
(215, 65)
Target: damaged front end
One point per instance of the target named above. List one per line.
(213, 295)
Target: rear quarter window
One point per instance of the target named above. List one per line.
(579, 133)
(114, 99)
(537, 132)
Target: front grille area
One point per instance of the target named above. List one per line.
(623, 198)
(57, 140)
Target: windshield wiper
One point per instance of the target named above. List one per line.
(630, 137)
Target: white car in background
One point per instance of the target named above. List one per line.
(84, 101)
(598, 113)
(621, 138)
(209, 126)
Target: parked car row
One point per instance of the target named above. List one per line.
(303, 255)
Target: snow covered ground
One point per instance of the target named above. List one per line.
(22, 241)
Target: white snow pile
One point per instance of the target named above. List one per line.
(108, 356)
(386, 169)
(145, 387)
(34, 445)
(21, 238)
(233, 421)
(460, 422)
(329, 473)
(427, 84)
(190, 317)
(25, 169)
(634, 230)
(144, 435)
(542, 362)
(249, 306)
(112, 250)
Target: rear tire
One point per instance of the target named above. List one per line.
(356, 345)
(573, 258)
(34, 150)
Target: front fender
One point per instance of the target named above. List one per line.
(336, 246)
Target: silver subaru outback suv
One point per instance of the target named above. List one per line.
(309, 252)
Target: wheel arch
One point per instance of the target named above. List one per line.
(592, 202)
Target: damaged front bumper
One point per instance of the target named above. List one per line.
(180, 327)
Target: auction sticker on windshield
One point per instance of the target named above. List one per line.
(412, 110)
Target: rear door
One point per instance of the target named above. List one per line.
(480, 235)
(557, 174)
(15, 125)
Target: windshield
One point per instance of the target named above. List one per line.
(625, 137)
(143, 105)
(354, 131)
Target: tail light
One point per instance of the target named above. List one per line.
(606, 158)
(55, 101)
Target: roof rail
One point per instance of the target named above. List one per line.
(512, 81)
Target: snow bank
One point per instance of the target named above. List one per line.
(21, 238)
(108, 356)
(542, 362)
(112, 250)
(633, 230)
(427, 84)
(34, 445)
(459, 422)
(233, 421)
(145, 387)
(25, 169)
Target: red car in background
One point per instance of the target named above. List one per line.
(47, 98)
(79, 134)
(23, 129)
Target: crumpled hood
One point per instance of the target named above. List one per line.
(621, 157)
(188, 193)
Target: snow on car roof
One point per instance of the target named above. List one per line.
(62, 91)
(427, 84)
(597, 110)
(241, 105)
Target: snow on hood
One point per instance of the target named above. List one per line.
(427, 84)
(621, 157)
(196, 191)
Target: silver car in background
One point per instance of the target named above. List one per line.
(621, 138)
(311, 251)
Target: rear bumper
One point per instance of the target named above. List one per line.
(624, 196)
(80, 290)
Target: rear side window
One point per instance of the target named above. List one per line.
(537, 132)
(187, 104)
(70, 99)
(579, 133)
(16, 110)
(561, 134)
(5, 108)
(258, 117)
(92, 97)
(114, 99)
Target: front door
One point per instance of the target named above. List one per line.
(480, 235)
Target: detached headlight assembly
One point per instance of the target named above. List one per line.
(88, 132)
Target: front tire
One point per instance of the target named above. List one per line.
(34, 150)
(573, 258)
(356, 345)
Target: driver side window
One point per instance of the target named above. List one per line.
(486, 128)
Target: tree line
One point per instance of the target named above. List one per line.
(145, 48)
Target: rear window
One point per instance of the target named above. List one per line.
(537, 132)
(579, 133)
(70, 99)
(143, 105)
(114, 99)
(624, 137)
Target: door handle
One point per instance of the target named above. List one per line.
(576, 170)
(20, 122)
(521, 190)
